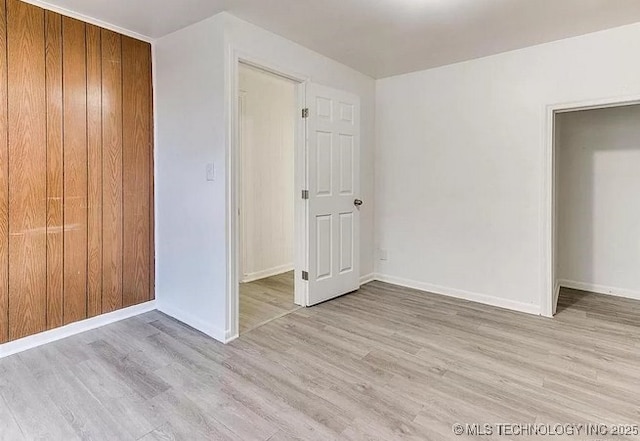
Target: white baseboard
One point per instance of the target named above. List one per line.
(43, 338)
(367, 278)
(230, 336)
(600, 289)
(252, 277)
(194, 322)
(461, 294)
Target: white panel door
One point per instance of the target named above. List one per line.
(333, 155)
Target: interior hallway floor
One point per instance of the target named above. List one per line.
(385, 363)
(266, 299)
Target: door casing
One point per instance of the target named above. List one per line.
(549, 283)
(233, 186)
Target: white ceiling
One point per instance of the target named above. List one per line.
(381, 37)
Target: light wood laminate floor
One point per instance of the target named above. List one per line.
(385, 363)
(266, 299)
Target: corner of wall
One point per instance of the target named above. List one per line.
(193, 321)
(499, 302)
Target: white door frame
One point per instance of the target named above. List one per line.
(233, 186)
(550, 285)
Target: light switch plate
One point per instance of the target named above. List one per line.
(211, 172)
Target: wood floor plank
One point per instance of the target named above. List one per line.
(55, 172)
(9, 427)
(241, 420)
(146, 383)
(27, 170)
(133, 412)
(83, 411)
(94, 169)
(266, 299)
(74, 78)
(4, 183)
(37, 416)
(189, 421)
(163, 433)
(112, 171)
(335, 371)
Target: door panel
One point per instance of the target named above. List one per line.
(324, 241)
(324, 169)
(346, 242)
(334, 182)
(346, 165)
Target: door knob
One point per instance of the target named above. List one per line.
(357, 203)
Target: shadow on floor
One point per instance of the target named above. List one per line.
(613, 308)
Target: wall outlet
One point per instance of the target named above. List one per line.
(383, 254)
(211, 172)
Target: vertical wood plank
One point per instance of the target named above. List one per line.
(111, 171)
(74, 78)
(94, 140)
(152, 241)
(55, 219)
(27, 169)
(136, 132)
(4, 181)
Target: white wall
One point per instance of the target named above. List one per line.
(460, 163)
(598, 214)
(191, 101)
(190, 132)
(268, 114)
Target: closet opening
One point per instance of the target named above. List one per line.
(596, 210)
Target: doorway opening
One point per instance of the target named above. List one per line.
(267, 119)
(595, 220)
(326, 163)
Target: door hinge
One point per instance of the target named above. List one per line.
(305, 194)
(305, 275)
(305, 113)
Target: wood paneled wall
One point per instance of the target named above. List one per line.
(76, 171)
